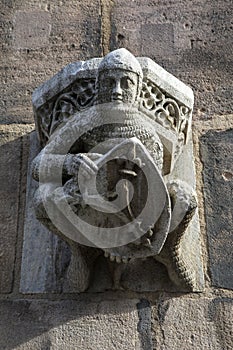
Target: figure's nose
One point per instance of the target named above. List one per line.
(117, 90)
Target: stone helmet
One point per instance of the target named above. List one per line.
(124, 60)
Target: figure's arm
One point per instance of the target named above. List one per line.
(49, 167)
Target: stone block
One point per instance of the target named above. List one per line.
(10, 174)
(185, 323)
(217, 157)
(189, 39)
(70, 325)
(36, 40)
(31, 29)
(162, 36)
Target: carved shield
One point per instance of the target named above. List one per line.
(126, 198)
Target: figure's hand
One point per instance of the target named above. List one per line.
(73, 163)
(184, 202)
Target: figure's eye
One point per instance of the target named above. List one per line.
(108, 83)
(126, 83)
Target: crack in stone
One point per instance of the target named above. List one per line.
(144, 324)
(106, 11)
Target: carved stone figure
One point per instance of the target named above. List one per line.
(107, 172)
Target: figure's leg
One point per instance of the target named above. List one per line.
(78, 277)
(177, 252)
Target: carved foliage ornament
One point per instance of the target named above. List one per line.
(115, 134)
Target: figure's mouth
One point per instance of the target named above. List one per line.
(117, 98)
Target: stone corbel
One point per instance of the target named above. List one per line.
(106, 125)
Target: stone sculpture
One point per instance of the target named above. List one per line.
(113, 131)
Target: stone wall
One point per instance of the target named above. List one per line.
(193, 41)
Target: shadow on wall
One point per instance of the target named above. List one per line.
(217, 158)
(116, 323)
(12, 190)
(68, 324)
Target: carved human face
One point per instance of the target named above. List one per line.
(117, 85)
